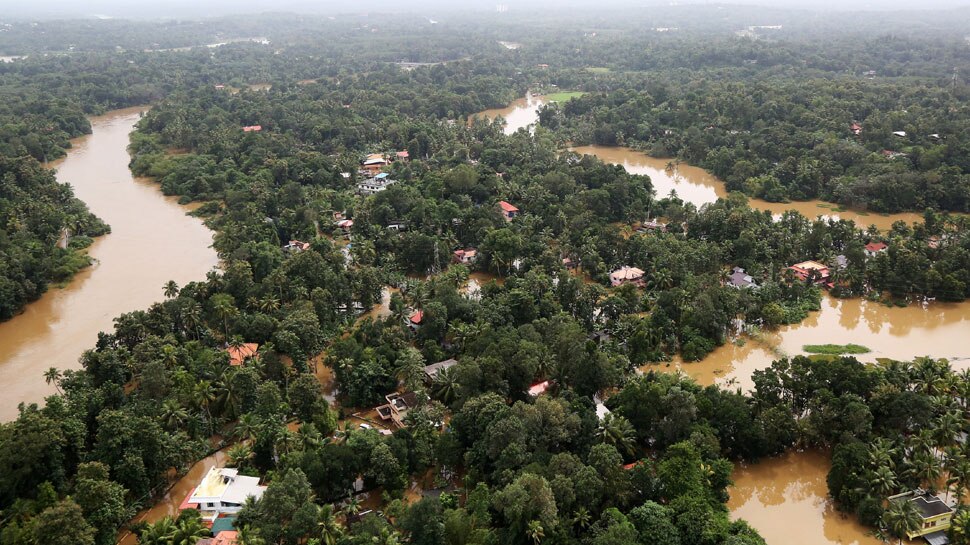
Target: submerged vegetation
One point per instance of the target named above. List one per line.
(512, 443)
(835, 349)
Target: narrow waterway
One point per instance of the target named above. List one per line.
(939, 330)
(700, 187)
(519, 114)
(786, 500)
(152, 241)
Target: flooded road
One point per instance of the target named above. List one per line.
(519, 114)
(938, 331)
(152, 241)
(786, 500)
(169, 504)
(696, 185)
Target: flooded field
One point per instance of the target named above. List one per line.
(152, 241)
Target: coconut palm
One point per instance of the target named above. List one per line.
(925, 467)
(173, 415)
(225, 308)
(191, 317)
(901, 517)
(171, 289)
(535, 531)
(352, 507)
(445, 387)
(188, 530)
(248, 536)
(202, 397)
(617, 431)
(960, 528)
(53, 376)
(883, 481)
(330, 530)
(386, 537)
(159, 533)
(238, 455)
(247, 427)
(582, 518)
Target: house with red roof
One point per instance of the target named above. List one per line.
(252, 128)
(509, 212)
(415, 320)
(856, 129)
(811, 269)
(239, 354)
(539, 388)
(874, 248)
(465, 256)
(403, 155)
(627, 275)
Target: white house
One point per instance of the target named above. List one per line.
(375, 185)
(223, 490)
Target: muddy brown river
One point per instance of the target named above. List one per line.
(152, 241)
(519, 114)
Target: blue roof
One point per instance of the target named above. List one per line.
(381, 176)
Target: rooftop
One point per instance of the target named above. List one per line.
(506, 207)
(931, 506)
(627, 273)
(223, 484)
(239, 354)
(431, 371)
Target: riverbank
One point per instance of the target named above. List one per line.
(152, 241)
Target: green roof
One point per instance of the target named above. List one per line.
(223, 524)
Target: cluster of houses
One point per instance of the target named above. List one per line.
(375, 162)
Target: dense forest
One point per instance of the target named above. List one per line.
(652, 462)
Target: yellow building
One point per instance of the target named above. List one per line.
(935, 514)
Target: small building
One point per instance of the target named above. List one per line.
(889, 154)
(399, 405)
(650, 226)
(376, 184)
(431, 371)
(224, 537)
(252, 128)
(465, 256)
(509, 212)
(841, 262)
(297, 246)
(397, 225)
(900, 134)
(740, 279)
(239, 354)
(223, 490)
(569, 263)
(627, 275)
(539, 388)
(402, 155)
(345, 225)
(856, 129)
(808, 269)
(373, 163)
(415, 320)
(874, 248)
(935, 515)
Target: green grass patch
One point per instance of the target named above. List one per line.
(597, 70)
(823, 205)
(835, 349)
(563, 96)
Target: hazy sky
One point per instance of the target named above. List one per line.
(200, 8)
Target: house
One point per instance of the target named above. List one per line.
(397, 225)
(933, 242)
(627, 275)
(808, 269)
(375, 185)
(252, 128)
(415, 319)
(600, 337)
(224, 490)
(539, 388)
(465, 256)
(509, 212)
(889, 154)
(569, 263)
(225, 537)
(239, 354)
(935, 516)
(650, 226)
(399, 405)
(874, 248)
(431, 371)
(900, 134)
(856, 129)
(346, 225)
(402, 155)
(373, 163)
(740, 279)
(220, 86)
(297, 246)
(841, 262)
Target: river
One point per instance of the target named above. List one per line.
(152, 241)
(899, 333)
(519, 114)
(786, 500)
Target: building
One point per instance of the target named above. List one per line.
(652, 225)
(376, 184)
(627, 275)
(900, 134)
(465, 256)
(402, 155)
(431, 371)
(415, 320)
(935, 515)
(345, 225)
(252, 128)
(841, 262)
(740, 279)
(297, 246)
(856, 129)
(223, 490)
(809, 269)
(569, 263)
(509, 212)
(539, 388)
(224, 537)
(874, 248)
(398, 406)
(373, 163)
(239, 354)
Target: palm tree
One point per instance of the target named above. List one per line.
(445, 387)
(582, 518)
(191, 315)
(248, 536)
(173, 415)
(247, 428)
(386, 537)
(53, 376)
(901, 517)
(330, 530)
(353, 506)
(159, 533)
(188, 530)
(960, 528)
(171, 289)
(883, 481)
(225, 308)
(925, 467)
(535, 531)
(238, 454)
(617, 431)
(202, 396)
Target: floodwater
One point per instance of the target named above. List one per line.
(152, 241)
(939, 330)
(786, 500)
(696, 185)
(169, 504)
(519, 114)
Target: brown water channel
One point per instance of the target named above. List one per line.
(519, 114)
(152, 241)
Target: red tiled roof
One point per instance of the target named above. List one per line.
(253, 128)
(417, 317)
(239, 354)
(876, 246)
(226, 537)
(185, 502)
(538, 388)
(506, 207)
(403, 154)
